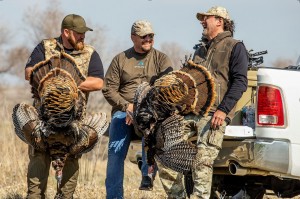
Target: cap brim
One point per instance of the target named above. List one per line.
(82, 29)
(201, 15)
(145, 33)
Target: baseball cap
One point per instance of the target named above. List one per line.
(142, 28)
(76, 23)
(214, 11)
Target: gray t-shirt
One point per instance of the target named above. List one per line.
(128, 70)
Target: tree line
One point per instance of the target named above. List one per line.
(45, 23)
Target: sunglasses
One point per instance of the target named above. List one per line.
(145, 36)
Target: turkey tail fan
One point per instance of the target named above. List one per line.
(39, 71)
(188, 101)
(57, 77)
(42, 69)
(58, 93)
(27, 125)
(206, 89)
(170, 89)
(204, 92)
(172, 147)
(67, 63)
(93, 127)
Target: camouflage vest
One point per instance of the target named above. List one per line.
(82, 58)
(216, 60)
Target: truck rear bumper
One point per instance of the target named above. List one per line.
(262, 154)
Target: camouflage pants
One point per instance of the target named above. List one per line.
(38, 172)
(209, 143)
(171, 181)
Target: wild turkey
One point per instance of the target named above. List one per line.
(57, 123)
(159, 111)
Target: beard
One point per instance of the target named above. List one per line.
(79, 45)
(147, 48)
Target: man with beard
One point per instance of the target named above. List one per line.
(140, 63)
(71, 41)
(227, 60)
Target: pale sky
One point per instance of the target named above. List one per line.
(271, 25)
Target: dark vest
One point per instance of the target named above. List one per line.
(216, 60)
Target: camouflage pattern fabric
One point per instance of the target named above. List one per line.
(82, 58)
(172, 182)
(209, 143)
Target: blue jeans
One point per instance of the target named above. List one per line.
(119, 140)
(144, 167)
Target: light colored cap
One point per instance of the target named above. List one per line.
(214, 11)
(142, 28)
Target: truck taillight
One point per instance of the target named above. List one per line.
(270, 110)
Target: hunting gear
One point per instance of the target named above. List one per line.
(195, 136)
(61, 72)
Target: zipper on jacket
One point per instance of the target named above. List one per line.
(219, 93)
(209, 61)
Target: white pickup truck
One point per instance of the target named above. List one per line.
(265, 155)
(268, 156)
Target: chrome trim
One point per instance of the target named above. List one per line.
(261, 154)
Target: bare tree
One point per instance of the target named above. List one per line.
(4, 40)
(5, 35)
(98, 39)
(41, 24)
(37, 27)
(16, 60)
(176, 53)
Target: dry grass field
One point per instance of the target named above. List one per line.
(14, 159)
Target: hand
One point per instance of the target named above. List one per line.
(129, 114)
(217, 119)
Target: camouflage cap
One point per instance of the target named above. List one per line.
(142, 28)
(76, 23)
(214, 11)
